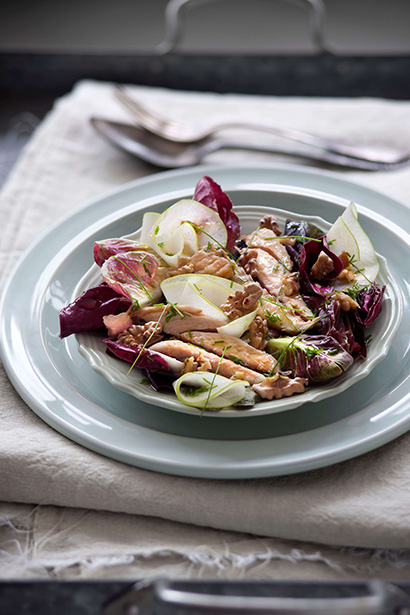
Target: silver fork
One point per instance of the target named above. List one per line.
(179, 132)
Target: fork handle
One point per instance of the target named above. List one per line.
(321, 155)
(369, 153)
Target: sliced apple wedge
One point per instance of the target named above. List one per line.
(182, 242)
(207, 390)
(186, 292)
(148, 221)
(206, 292)
(347, 235)
(237, 327)
(201, 217)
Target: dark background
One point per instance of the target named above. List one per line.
(244, 46)
(258, 26)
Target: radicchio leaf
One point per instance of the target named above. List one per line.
(110, 247)
(342, 326)
(209, 193)
(303, 230)
(86, 313)
(331, 360)
(159, 381)
(333, 321)
(370, 304)
(318, 358)
(308, 256)
(131, 274)
(144, 357)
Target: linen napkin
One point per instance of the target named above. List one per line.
(364, 502)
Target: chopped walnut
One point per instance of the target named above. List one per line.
(344, 257)
(346, 274)
(204, 366)
(257, 333)
(290, 284)
(271, 223)
(322, 267)
(279, 386)
(345, 301)
(138, 335)
(248, 261)
(189, 365)
(200, 365)
(243, 301)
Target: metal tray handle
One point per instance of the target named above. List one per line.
(175, 8)
(165, 597)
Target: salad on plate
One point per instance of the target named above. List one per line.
(225, 319)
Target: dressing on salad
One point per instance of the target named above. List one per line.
(225, 319)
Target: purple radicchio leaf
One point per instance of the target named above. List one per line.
(319, 358)
(304, 230)
(330, 361)
(370, 304)
(131, 273)
(308, 256)
(209, 193)
(144, 358)
(110, 247)
(335, 322)
(86, 313)
(159, 381)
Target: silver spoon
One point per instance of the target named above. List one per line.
(175, 130)
(168, 154)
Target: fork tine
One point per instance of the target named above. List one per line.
(132, 105)
(139, 110)
(146, 117)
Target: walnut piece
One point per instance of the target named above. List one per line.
(345, 301)
(138, 335)
(257, 333)
(189, 365)
(271, 223)
(323, 267)
(279, 386)
(346, 274)
(243, 301)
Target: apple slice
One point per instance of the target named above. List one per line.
(184, 292)
(199, 215)
(207, 390)
(347, 235)
(182, 242)
(237, 327)
(148, 221)
(206, 292)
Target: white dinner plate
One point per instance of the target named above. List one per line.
(60, 386)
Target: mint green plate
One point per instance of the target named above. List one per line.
(61, 387)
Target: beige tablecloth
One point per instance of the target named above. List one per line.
(70, 512)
